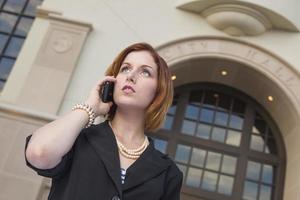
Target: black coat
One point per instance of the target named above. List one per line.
(91, 171)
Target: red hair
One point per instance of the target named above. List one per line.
(157, 109)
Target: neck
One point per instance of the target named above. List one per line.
(128, 127)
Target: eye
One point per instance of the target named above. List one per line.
(124, 69)
(146, 73)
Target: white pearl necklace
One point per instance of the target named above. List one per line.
(131, 153)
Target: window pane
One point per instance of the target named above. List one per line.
(14, 5)
(218, 134)
(160, 145)
(182, 153)
(7, 22)
(188, 127)
(5, 67)
(271, 146)
(213, 161)
(23, 26)
(203, 131)
(233, 138)
(14, 47)
(257, 143)
(228, 165)
(194, 177)
(224, 102)
(267, 176)
(206, 115)
(191, 112)
(259, 126)
(221, 118)
(172, 109)
(253, 170)
(182, 169)
(195, 97)
(236, 122)
(198, 157)
(265, 193)
(225, 185)
(1, 85)
(209, 181)
(238, 106)
(209, 100)
(3, 40)
(31, 7)
(168, 122)
(250, 191)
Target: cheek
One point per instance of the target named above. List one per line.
(151, 90)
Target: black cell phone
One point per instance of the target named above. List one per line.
(107, 91)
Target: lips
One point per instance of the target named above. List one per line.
(128, 87)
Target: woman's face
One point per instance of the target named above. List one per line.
(136, 82)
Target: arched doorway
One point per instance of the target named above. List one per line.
(254, 71)
(225, 143)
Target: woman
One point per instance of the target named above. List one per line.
(114, 159)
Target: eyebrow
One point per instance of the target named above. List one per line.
(141, 66)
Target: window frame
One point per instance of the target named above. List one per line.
(243, 152)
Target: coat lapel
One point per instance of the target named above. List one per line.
(104, 143)
(148, 165)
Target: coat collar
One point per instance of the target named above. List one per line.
(148, 165)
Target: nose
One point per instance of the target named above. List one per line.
(132, 76)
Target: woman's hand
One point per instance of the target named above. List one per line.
(94, 99)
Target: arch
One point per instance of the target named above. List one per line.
(252, 70)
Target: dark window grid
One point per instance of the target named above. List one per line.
(219, 108)
(213, 125)
(270, 159)
(259, 184)
(174, 103)
(189, 159)
(14, 28)
(9, 57)
(16, 24)
(203, 169)
(206, 169)
(260, 181)
(11, 34)
(15, 35)
(218, 104)
(237, 101)
(206, 144)
(11, 12)
(186, 171)
(263, 137)
(170, 115)
(216, 108)
(219, 171)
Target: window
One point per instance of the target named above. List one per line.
(16, 17)
(225, 144)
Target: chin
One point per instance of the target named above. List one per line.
(130, 104)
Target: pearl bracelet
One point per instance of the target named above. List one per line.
(89, 110)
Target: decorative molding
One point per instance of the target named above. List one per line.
(257, 57)
(27, 115)
(56, 15)
(54, 62)
(237, 20)
(62, 43)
